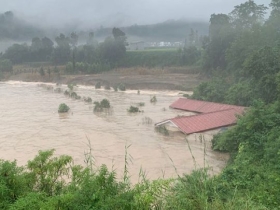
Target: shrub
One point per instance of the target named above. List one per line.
(141, 104)
(42, 72)
(71, 86)
(153, 99)
(63, 108)
(58, 90)
(73, 95)
(122, 87)
(147, 121)
(88, 100)
(105, 103)
(162, 130)
(133, 109)
(98, 85)
(107, 87)
(115, 88)
(66, 92)
(99, 106)
(6, 65)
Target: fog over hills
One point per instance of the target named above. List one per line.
(148, 20)
(110, 13)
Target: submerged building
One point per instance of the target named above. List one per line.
(208, 116)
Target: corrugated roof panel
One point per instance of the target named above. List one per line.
(202, 106)
(207, 121)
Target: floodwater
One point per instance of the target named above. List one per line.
(29, 122)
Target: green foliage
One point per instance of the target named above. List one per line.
(71, 87)
(48, 174)
(141, 104)
(162, 129)
(133, 109)
(63, 108)
(153, 99)
(248, 14)
(152, 58)
(213, 90)
(13, 183)
(98, 85)
(105, 103)
(75, 95)
(241, 94)
(115, 88)
(107, 87)
(112, 50)
(42, 71)
(17, 53)
(121, 87)
(254, 145)
(100, 106)
(6, 65)
(88, 99)
(66, 93)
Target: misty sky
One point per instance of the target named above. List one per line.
(94, 13)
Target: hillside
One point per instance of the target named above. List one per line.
(14, 28)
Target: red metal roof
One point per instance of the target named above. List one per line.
(213, 115)
(202, 106)
(206, 121)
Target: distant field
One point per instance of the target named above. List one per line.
(153, 49)
(155, 57)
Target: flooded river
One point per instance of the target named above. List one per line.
(29, 122)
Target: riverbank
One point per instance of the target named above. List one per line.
(133, 78)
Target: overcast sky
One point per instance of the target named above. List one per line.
(116, 12)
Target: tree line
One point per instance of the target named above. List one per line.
(66, 49)
(242, 56)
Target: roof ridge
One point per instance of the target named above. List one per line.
(206, 113)
(211, 102)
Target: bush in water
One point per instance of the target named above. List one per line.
(98, 85)
(99, 106)
(63, 108)
(153, 99)
(122, 87)
(133, 109)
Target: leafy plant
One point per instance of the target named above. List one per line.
(122, 87)
(162, 130)
(42, 71)
(141, 104)
(153, 99)
(115, 88)
(105, 103)
(67, 93)
(88, 99)
(63, 108)
(71, 87)
(98, 85)
(133, 109)
(99, 106)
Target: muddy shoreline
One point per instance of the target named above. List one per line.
(155, 80)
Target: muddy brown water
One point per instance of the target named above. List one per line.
(29, 122)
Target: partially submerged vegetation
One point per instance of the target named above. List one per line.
(153, 99)
(162, 129)
(133, 109)
(100, 106)
(122, 87)
(63, 108)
